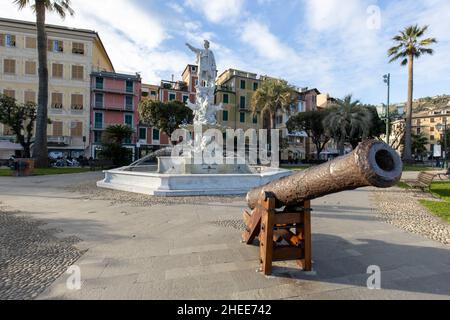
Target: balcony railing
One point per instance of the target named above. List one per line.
(125, 91)
(59, 140)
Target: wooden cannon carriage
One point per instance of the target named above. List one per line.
(281, 210)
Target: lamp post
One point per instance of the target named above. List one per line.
(387, 80)
(444, 129)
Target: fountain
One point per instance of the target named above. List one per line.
(177, 171)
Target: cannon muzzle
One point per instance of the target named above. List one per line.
(372, 163)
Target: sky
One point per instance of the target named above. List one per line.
(337, 46)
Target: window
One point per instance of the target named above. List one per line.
(431, 129)
(255, 120)
(78, 48)
(55, 46)
(129, 86)
(129, 102)
(185, 99)
(7, 130)
(77, 102)
(30, 67)
(57, 100)
(76, 129)
(97, 136)
(172, 96)
(418, 130)
(225, 115)
(432, 120)
(30, 97)
(98, 120)
(129, 120)
(144, 94)
(242, 117)
(9, 66)
(300, 106)
(77, 72)
(99, 100)
(2, 40)
(57, 128)
(243, 84)
(99, 83)
(226, 98)
(242, 103)
(155, 135)
(30, 43)
(10, 93)
(57, 70)
(10, 41)
(431, 137)
(153, 93)
(255, 86)
(143, 134)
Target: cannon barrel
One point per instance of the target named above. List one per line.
(372, 163)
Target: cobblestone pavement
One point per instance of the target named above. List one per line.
(402, 209)
(31, 258)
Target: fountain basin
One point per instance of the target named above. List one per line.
(177, 185)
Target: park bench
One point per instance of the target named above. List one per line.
(444, 176)
(423, 182)
(102, 164)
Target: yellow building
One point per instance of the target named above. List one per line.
(150, 92)
(73, 54)
(425, 123)
(235, 90)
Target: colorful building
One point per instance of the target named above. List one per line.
(73, 54)
(115, 99)
(235, 90)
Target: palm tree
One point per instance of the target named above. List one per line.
(408, 47)
(272, 96)
(40, 7)
(117, 133)
(346, 120)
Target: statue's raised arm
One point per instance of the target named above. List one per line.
(193, 49)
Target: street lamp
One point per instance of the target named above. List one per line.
(444, 128)
(387, 80)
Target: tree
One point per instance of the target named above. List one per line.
(272, 96)
(377, 127)
(419, 143)
(40, 7)
(311, 122)
(20, 118)
(112, 144)
(408, 47)
(166, 116)
(348, 119)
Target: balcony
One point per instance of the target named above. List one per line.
(125, 91)
(177, 86)
(60, 141)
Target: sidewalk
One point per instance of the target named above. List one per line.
(193, 251)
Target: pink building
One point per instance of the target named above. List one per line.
(114, 100)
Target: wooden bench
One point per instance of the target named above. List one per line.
(102, 164)
(444, 176)
(423, 182)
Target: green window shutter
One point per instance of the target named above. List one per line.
(243, 84)
(226, 98)
(242, 103)
(225, 115)
(155, 134)
(142, 133)
(242, 117)
(255, 120)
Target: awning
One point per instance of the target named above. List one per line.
(8, 145)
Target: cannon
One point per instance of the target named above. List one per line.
(372, 163)
(281, 210)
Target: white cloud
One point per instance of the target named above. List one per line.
(218, 11)
(134, 38)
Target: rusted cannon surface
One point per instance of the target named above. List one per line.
(372, 163)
